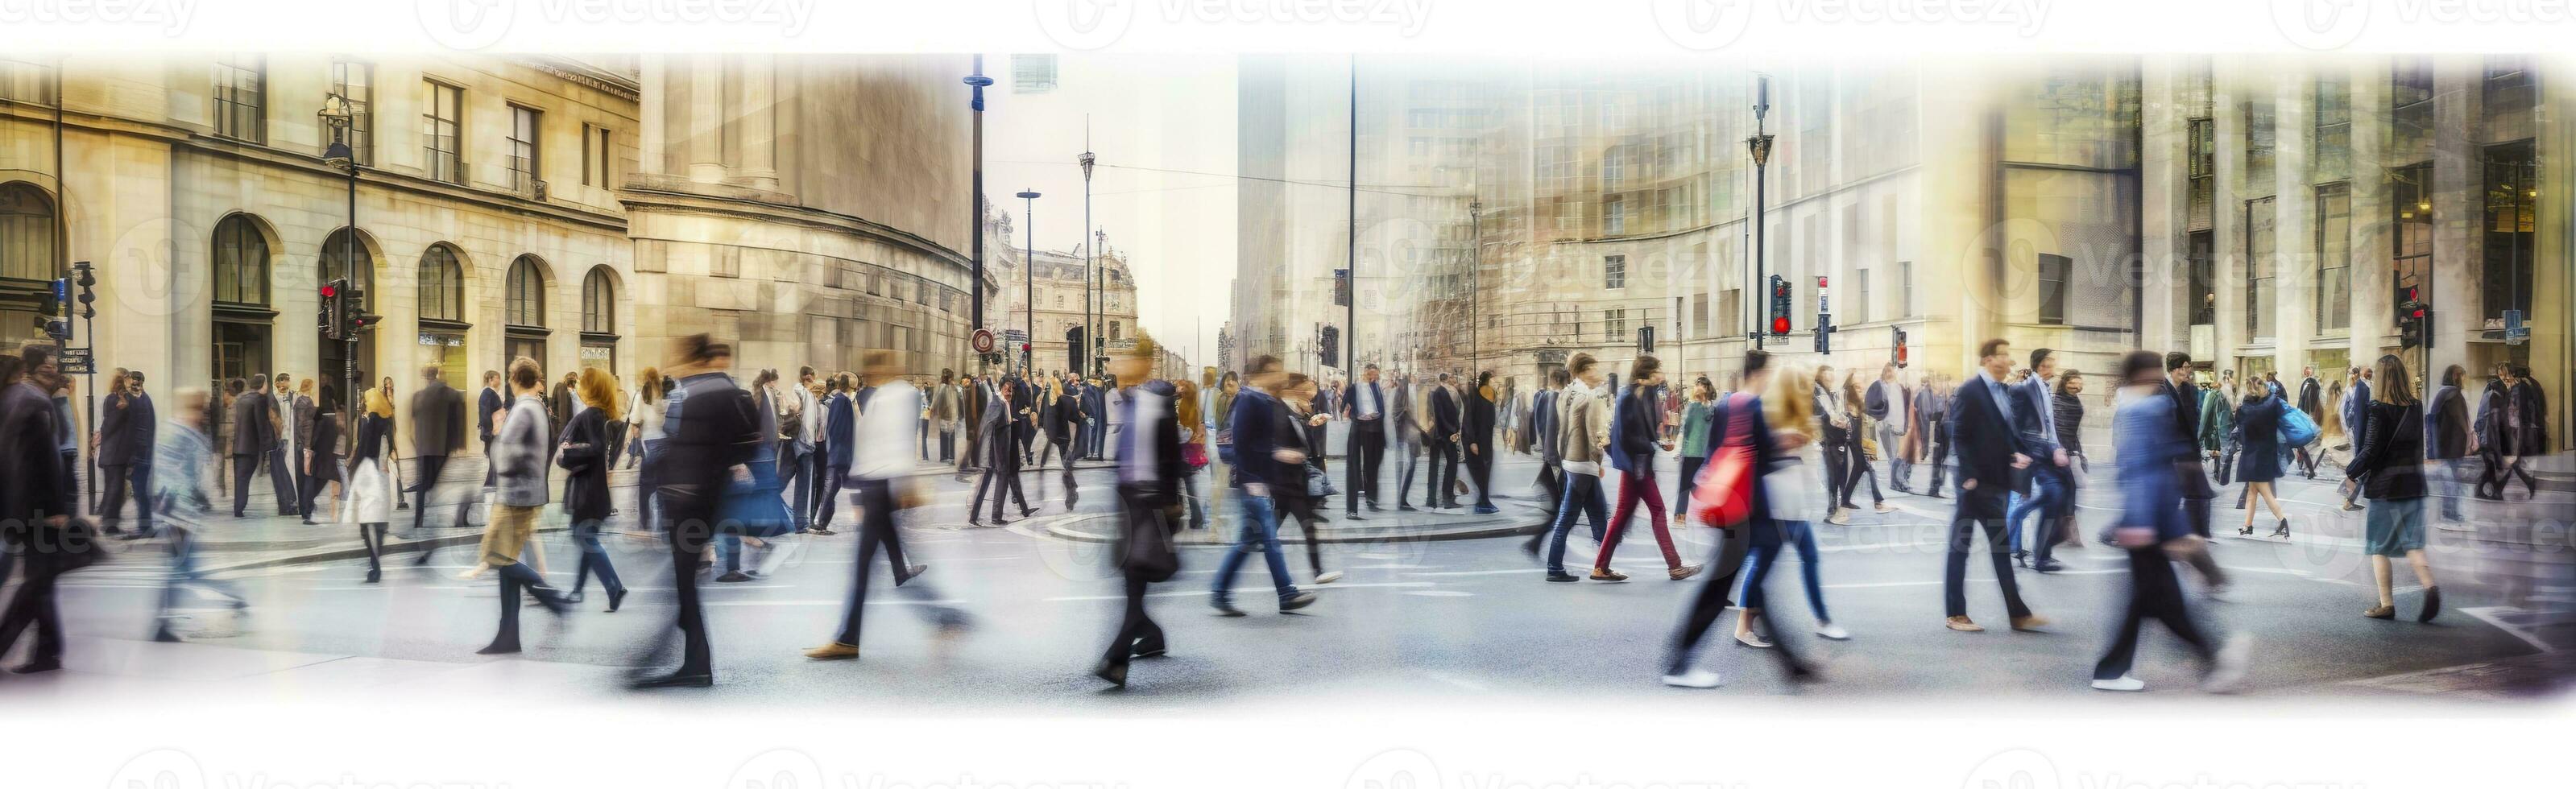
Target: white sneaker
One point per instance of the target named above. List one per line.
(1694, 678)
(1330, 577)
(2227, 669)
(2126, 683)
(1833, 631)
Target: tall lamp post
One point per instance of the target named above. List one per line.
(1351, 301)
(1090, 261)
(336, 112)
(975, 199)
(1028, 275)
(1760, 146)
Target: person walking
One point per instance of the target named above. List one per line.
(183, 502)
(2217, 435)
(1932, 423)
(1542, 422)
(1789, 489)
(2196, 493)
(586, 454)
(1477, 429)
(2310, 403)
(36, 508)
(1738, 427)
(306, 415)
(1446, 418)
(2494, 432)
(519, 474)
(2447, 438)
(2150, 515)
(1856, 439)
(1064, 419)
(437, 430)
(255, 435)
(711, 435)
(1364, 405)
(839, 449)
(2356, 422)
(1193, 449)
(2388, 467)
(321, 460)
(1583, 441)
(1300, 498)
(1151, 472)
(2258, 431)
(2045, 485)
(1694, 442)
(1635, 443)
(2066, 401)
(1322, 400)
(1409, 435)
(943, 414)
(799, 419)
(1886, 404)
(370, 503)
(1263, 464)
(890, 414)
(127, 433)
(1002, 460)
(2527, 417)
(1990, 450)
(652, 400)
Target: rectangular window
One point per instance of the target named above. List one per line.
(1699, 314)
(1614, 271)
(1860, 297)
(26, 82)
(355, 82)
(2260, 131)
(2204, 278)
(2334, 258)
(442, 125)
(595, 156)
(523, 148)
(240, 81)
(2260, 268)
(1614, 216)
(2333, 135)
(2513, 190)
(1614, 324)
(1905, 288)
(2054, 271)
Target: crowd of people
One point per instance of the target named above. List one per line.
(730, 476)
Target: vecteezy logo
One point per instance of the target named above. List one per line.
(160, 769)
(2020, 768)
(1703, 24)
(1402, 768)
(466, 24)
(1084, 24)
(2321, 24)
(777, 768)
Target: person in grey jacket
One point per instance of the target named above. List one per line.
(519, 461)
(254, 442)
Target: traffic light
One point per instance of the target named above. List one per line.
(1779, 306)
(1646, 339)
(49, 310)
(1329, 339)
(332, 323)
(1897, 350)
(88, 281)
(354, 311)
(2414, 318)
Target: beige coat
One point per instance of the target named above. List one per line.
(1582, 425)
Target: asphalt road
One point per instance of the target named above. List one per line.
(1436, 618)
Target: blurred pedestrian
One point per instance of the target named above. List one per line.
(1856, 442)
(838, 451)
(307, 416)
(1886, 404)
(2356, 421)
(519, 451)
(2258, 431)
(2196, 493)
(882, 490)
(1443, 434)
(370, 503)
(184, 504)
(37, 506)
(1634, 444)
(321, 461)
(1583, 440)
(2388, 467)
(1789, 490)
(127, 433)
(1002, 458)
(1694, 443)
(1739, 429)
(1932, 422)
(1193, 449)
(1151, 481)
(2150, 516)
(586, 452)
(1263, 464)
(255, 436)
(1364, 405)
(1477, 429)
(1299, 499)
(1063, 417)
(437, 430)
(2447, 438)
(709, 424)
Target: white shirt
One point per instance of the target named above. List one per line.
(882, 446)
(1364, 402)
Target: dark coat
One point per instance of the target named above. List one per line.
(486, 405)
(1636, 429)
(40, 485)
(1063, 417)
(254, 424)
(438, 421)
(1256, 435)
(325, 463)
(584, 452)
(2391, 454)
(1444, 413)
(2531, 419)
(2447, 432)
(1478, 425)
(840, 431)
(126, 427)
(1169, 469)
(1986, 442)
(717, 429)
(2258, 436)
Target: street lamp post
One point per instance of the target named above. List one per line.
(1028, 275)
(1760, 146)
(1090, 261)
(975, 199)
(336, 112)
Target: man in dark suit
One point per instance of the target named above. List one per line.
(37, 505)
(1443, 443)
(1408, 439)
(2356, 423)
(1990, 450)
(126, 428)
(2311, 402)
(283, 473)
(1476, 436)
(489, 406)
(254, 438)
(2046, 484)
(305, 412)
(437, 430)
(1364, 404)
(1002, 456)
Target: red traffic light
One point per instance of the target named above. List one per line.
(1779, 326)
(329, 291)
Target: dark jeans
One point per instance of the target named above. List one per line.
(1408, 459)
(184, 572)
(999, 477)
(1582, 496)
(948, 445)
(1856, 460)
(691, 521)
(1954, 575)
(430, 466)
(828, 495)
(792, 465)
(1710, 602)
(1939, 455)
(1444, 473)
(1838, 461)
(1480, 469)
(124, 481)
(875, 500)
(1368, 437)
(33, 604)
(594, 559)
(282, 479)
(1063, 449)
(244, 466)
(2049, 497)
(2154, 593)
(1765, 540)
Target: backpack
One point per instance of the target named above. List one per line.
(1722, 495)
(2297, 430)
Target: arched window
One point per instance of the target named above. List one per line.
(241, 262)
(26, 233)
(344, 255)
(527, 302)
(598, 303)
(442, 285)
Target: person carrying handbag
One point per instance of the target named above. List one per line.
(1728, 496)
(1151, 472)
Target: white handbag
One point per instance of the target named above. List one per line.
(1792, 488)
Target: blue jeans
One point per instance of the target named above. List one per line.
(1767, 540)
(1582, 495)
(1260, 533)
(2047, 489)
(2451, 488)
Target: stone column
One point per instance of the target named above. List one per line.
(2228, 76)
(756, 105)
(1962, 239)
(2459, 205)
(2294, 237)
(651, 138)
(2374, 237)
(2164, 192)
(707, 118)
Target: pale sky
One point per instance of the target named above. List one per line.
(1147, 113)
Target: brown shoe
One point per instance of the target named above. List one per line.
(1961, 624)
(833, 651)
(2029, 624)
(1608, 575)
(1686, 571)
(2381, 612)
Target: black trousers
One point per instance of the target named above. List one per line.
(691, 520)
(1408, 459)
(1710, 602)
(1444, 473)
(283, 482)
(1838, 462)
(594, 559)
(1954, 575)
(1480, 469)
(875, 500)
(1856, 464)
(430, 466)
(2155, 592)
(1316, 437)
(999, 476)
(33, 604)
(828, 495)
(124, 481)
(1368, 440)
(1940, 453)
(244, 467)
(1136, 631)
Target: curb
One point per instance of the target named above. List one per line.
(1492, 527)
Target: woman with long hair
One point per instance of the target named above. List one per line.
(2388, 468)
(322, 459)
(1298, 397)
(2258, 432)
(587, 452)
(651, 390)
(1834, 429)
(1694, 441)
(2066, 402)
(2447, 438)
(1061, 415)
(1194, 455)
(1789, 486)
(370, 503)
(1856, 454)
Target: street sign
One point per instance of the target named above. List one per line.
(74, 361)
(983, 341)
